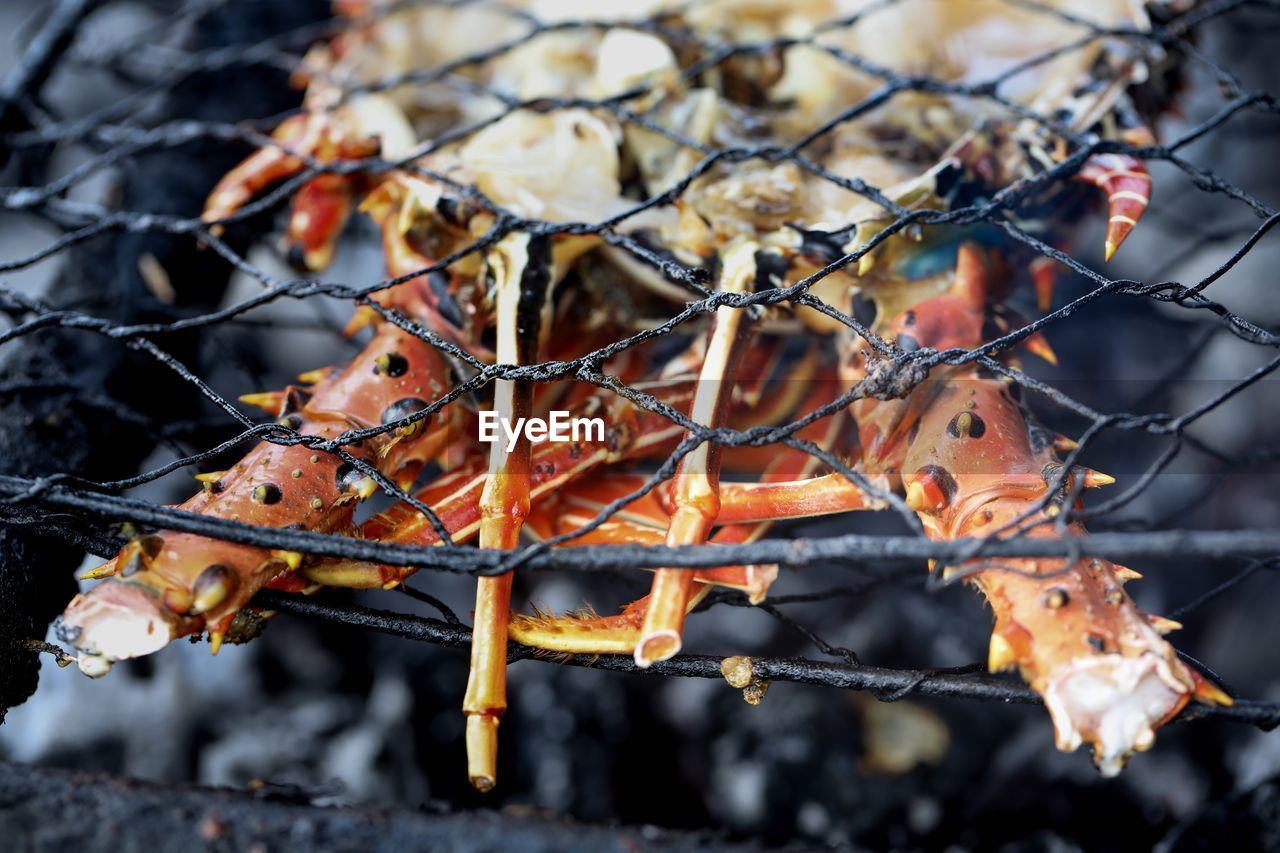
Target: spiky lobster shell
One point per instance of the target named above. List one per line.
(974, 463)
(168, 584)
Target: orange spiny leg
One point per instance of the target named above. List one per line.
(356, 130)
(264, 167)
(742, 503)
(748, 509)
(696, 487)
(644, 521)
(1126, 182)
(419, 223)
(521, 269)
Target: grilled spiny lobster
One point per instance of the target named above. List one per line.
(959, 444)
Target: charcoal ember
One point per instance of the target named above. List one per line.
(1247, 821)
(102, 813)
(62, 423)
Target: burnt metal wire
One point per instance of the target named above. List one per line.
(119, 131)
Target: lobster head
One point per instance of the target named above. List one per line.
(162, 588)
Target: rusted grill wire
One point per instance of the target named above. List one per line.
(119, 131)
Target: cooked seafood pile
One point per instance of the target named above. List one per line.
(544, 193)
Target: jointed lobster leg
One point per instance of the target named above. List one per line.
(264, 167)
(633, 431)
(786, 489)
(644, 521)
(363, 127)
(695, 490)
(455, 496)
(412, 213)
(1126, 182)
(521, 268)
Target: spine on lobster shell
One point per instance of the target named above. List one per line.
(168, 584)
(972, 464)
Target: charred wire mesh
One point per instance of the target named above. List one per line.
(1145, 310)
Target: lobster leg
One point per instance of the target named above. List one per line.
(455, 496)
(263, 167)
(644, 521)
(633, 432)
(744, 503)
(695, 492)
(521, 268)
(1126, 182)
(357, 130)
(787, 490)
(411, 212)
